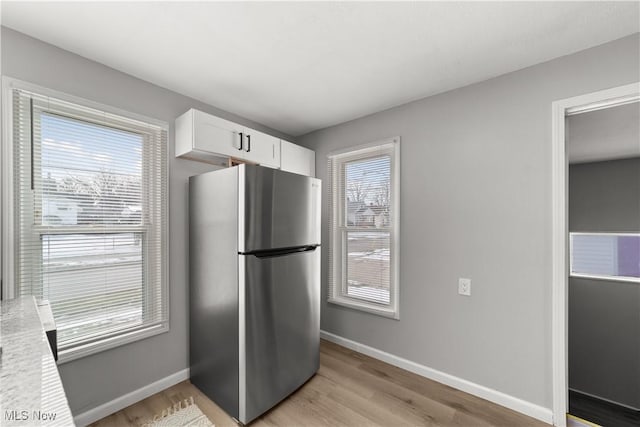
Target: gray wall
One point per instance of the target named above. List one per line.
(476, 202)
(609, 134)
(604, 316)
(605, 196)
(99, 378)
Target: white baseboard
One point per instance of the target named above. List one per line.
(106, 409)
(511, 402)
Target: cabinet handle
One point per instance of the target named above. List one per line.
(248, 143)
(240, 142)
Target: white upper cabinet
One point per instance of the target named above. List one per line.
(201, 136)
(297, 159)
(258, 147)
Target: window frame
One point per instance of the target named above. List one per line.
(339, 230)
(608, 278)
(9, 287)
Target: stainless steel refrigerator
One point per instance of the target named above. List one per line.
(254, 253)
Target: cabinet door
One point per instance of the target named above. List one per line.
(215, 135)
(297, 159)
(261, 148)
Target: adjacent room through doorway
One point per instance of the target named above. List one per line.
(603, 150)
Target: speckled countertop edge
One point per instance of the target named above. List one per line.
(31, 392)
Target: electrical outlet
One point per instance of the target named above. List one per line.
(464, 286)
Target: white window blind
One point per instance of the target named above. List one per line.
(606, 256)
(363, 250)
(90, 211)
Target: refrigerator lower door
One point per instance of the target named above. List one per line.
(280, 310)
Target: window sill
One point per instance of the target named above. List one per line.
(607, 278)
(81, 351)
(389, 312)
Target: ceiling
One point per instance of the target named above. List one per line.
(608, 134)
(300, 66)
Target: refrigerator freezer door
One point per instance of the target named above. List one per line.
(282, 328)
(278, 209)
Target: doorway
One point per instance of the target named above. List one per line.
(561, 260)
(603, 151)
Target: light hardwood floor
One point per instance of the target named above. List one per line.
(350, 389)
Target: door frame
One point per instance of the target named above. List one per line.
(560, 274)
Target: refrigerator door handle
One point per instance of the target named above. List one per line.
(270, 253)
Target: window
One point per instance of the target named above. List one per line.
(363, 247)
(89, 219)
(608, 256)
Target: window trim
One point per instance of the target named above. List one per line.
(626, 279)
(8, 286)
(337, 262)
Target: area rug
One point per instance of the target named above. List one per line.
(182, 414)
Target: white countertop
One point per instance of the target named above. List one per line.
(31, 393)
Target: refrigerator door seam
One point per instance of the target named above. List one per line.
(241, 208)
(265, 253)
(242, 351)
